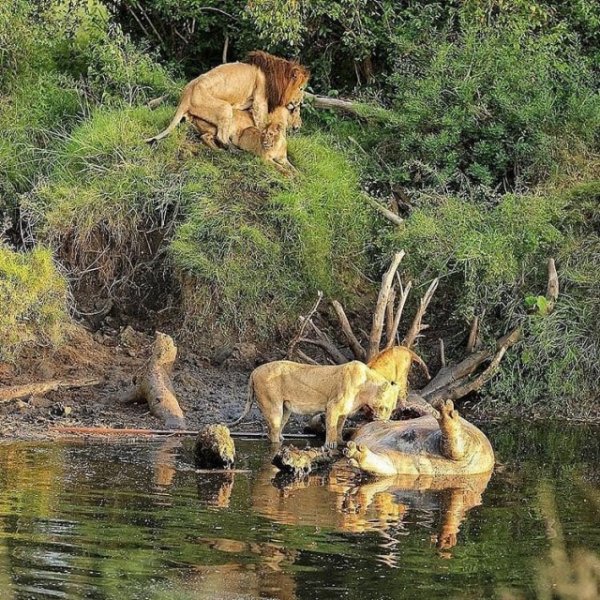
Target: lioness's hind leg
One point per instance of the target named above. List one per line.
(274, 416)
(218, 113)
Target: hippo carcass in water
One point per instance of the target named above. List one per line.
(442, 445)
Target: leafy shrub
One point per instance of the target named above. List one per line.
(38, 109)
(33, 298)
(484, 252)
(493, 262)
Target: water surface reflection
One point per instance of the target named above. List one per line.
(135, 521)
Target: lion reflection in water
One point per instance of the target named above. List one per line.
(336, 500)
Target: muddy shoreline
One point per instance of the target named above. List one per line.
(207, 393)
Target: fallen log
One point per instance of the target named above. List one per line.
(161, 432)
(153, 384)
(14, 392)
(332, 103)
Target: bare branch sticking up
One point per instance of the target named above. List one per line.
(472, 342)
(442, 353)
(389, 314)
(382, 300)
(332, 351)
(153, 384)
(356, 347)
(303, 324)
(417, 325)
(328, 345)
(404, 296)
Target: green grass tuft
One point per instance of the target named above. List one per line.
(33, 296)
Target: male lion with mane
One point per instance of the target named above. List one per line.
(261, 84)
(283, 387)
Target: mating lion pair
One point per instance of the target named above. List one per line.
(249, 104)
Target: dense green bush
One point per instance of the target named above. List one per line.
(33, 296)
(493, 263)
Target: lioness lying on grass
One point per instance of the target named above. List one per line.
(283, 387)
(270, 144)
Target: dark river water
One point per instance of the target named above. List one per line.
(133, 521)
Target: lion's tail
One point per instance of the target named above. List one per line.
(249, 401)
(179, 115)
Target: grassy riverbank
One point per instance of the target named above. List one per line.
(485, 130)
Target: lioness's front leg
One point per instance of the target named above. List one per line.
(332, 418)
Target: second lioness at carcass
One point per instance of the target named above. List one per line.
(283, 387)
(270, 143)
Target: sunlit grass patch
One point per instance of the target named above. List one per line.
(248, 246)
(33, 297)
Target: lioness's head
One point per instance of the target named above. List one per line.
(384, 402)
(294, 119)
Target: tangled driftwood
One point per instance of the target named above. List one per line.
(452, 381)
(153, 384)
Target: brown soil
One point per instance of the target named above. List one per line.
(207, 394)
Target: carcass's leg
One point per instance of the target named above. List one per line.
(453, 440)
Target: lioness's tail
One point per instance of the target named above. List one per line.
(179, 115)
(248, 403)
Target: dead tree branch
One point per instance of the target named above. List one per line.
(153, 384)
(328, 345)
(388, 214)
(14, 392)
(332, 103)
(305, 358)
(417, 324)
(472, 342)
(403, 297)
(389, 314)
(452, 378)
(382, 300)
(356, 347)
(303, 324)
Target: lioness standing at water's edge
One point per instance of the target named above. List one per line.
(283, 387)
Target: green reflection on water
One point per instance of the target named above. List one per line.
(132, 521)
